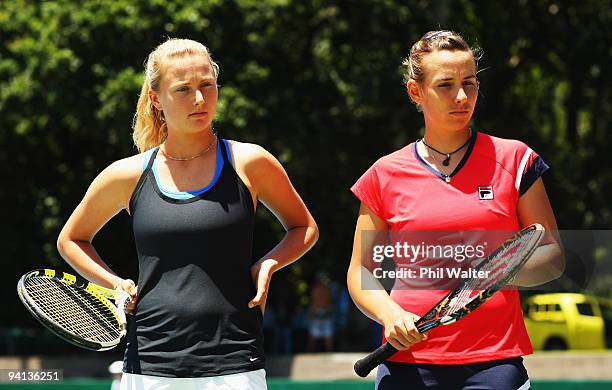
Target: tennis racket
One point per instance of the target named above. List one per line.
(76, 310)
(503, 264)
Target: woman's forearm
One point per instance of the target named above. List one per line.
(82, 256)
(296, 242)
(370, 296)
(547, 263)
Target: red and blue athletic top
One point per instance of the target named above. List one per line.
(482, 193)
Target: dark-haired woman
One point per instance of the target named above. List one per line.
(455, 179)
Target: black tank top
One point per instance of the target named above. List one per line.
(194, 284)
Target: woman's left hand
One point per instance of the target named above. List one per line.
(261, 272)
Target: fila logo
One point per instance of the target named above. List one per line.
(485, 192)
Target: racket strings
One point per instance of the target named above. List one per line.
(501, 268)
(62, 311)
(74, 309)
(90, 329)
(73, 320)
(94, 309)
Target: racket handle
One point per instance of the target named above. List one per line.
(364, 366)
(122, 300)
(376, 357)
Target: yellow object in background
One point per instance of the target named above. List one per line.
(562, 321)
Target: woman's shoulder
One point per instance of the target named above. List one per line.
(505, 151)
(118, 180)
(500, 143)
(398, 159)
(249, 154)
(255, 165)
(126, 169)
(246, 149)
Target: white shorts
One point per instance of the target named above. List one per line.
(250, 380)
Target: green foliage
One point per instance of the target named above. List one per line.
(318, 83)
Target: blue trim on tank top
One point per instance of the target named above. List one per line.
(228, 152)
(187, 194)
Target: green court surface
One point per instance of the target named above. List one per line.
(283, 384)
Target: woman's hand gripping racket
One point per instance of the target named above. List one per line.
(503, 264)
(76, 310)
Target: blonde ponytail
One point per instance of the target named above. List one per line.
(149, 124)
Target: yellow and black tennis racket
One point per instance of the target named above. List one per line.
(502, 264)
(76, 310)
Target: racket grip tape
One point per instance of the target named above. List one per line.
(364, 366)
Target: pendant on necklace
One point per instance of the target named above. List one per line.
(447, 178)
(446, 161)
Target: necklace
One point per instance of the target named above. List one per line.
(214, 141)
(446, 161)
(445, 175)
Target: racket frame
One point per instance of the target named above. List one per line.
(424, 323)
(103, 294)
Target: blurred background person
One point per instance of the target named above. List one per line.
(320, 318)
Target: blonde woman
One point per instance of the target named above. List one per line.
(198, 305)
